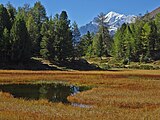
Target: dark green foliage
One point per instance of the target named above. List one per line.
(104, 39)
(57, 38)
(138, 41)
(28, 32)
(76, 38)
(157, 23)
(118, 47)
(20, 41)
(33, 33)
(5, 26)
(4, 19)
(48, 40)
(39, 15)
(85, 45)
(97, 45)
(63, 38)
(12, 12)
(5, 46)
(75, 33)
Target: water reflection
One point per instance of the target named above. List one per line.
(74, 90)
(52, 92)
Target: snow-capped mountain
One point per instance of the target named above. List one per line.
(112, 19)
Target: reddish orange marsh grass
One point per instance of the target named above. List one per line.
(116, 95)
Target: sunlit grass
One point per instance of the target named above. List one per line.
(120, 95)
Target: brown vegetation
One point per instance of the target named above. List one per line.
(120, 95)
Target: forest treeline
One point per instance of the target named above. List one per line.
(139, 41)
(135, 42)
(28, 32)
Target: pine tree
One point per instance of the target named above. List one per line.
(5, 46)
(48, 40)
(33, 33)
(75, 33)
(4, 19)
(64, 43)
(5, 26)
(106, 40)
(20, 50)
(39, 15)
(12, 12)
(25, 11)
(76, 38)
(99, 46)
(85, 45)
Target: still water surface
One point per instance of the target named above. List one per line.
(53, 92)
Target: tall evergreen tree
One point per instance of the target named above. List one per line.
(64, 38)
(76, 38)
(85, 45)
(12, 12)
(33, 33)
(104, 36)
(5, 26)
(20, 41)
(4, 19)
(39, 16)
(5, 46)
(99, 46)
(75, 33)
(48, 40)
(25, 11)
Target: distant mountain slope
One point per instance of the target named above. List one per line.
(88, 27)
(154, 13)
(114, 21)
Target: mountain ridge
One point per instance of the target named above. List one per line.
(154, 13)
(114, 21)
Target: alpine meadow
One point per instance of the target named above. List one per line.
(54, 68)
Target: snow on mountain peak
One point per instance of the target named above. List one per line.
(113, 19)
(112, 14)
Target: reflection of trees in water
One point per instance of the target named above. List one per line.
(54, 92)
(43, 90)
(60, 93)
(51, 92)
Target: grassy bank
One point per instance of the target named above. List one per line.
(122, 95)
(109, 63)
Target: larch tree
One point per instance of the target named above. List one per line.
(104, 36)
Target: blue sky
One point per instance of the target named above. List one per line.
(83, 11)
